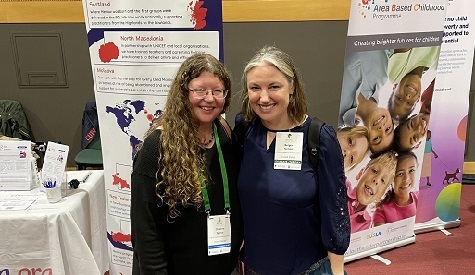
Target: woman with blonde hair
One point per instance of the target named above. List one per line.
(296, 218)
(185, 211)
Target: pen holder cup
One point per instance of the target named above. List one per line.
(53, 194)
(64, 185)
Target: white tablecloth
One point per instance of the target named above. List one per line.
(67, 237)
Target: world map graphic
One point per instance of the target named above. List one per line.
(127, 113)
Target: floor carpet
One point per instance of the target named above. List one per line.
(433, 253)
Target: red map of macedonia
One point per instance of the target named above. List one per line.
(108, 51)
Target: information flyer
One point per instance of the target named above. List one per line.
(15, 165)
(54, 165)
(136, 48)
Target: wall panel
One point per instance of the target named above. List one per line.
(53, 11)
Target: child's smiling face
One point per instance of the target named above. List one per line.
(404, 179)
(412, 131)
(372, 183)
(381, 130)
(406, 95)
(354, 149)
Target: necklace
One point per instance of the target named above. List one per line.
(206, 143)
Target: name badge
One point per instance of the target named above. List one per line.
(219, 234)
(288, 151)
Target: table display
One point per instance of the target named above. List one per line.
(66, 237)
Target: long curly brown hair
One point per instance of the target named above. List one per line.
(182, 156)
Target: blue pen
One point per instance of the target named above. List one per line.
(49, 184)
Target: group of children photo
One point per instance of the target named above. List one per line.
(383, 130)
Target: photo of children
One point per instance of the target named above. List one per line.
(386, 98)
(391, 66)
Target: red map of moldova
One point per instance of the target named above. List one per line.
(116, 180)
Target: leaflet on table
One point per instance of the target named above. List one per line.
(15, 205)
(54, 163)
(15, 165)
(38, 199)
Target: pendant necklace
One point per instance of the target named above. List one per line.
(206, 143)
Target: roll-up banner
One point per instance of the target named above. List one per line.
(391, 61)
(441, 176)
(136, 47)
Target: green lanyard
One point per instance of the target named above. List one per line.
(224, 176)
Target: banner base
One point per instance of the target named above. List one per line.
(377, 250)
(429, 227)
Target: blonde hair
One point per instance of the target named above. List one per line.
(297, 108)
(387, 159)
(354, 132)
(182, 158)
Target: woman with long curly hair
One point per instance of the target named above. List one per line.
(185, 211)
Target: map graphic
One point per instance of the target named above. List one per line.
(120, 240)
(120, 182)
(127, 113)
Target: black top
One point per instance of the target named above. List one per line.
(179, 246)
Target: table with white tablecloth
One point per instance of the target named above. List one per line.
(67, 237)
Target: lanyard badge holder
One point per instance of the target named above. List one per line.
(219, 226)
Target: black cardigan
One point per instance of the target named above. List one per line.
(179, 246)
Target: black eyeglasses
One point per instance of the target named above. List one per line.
(202, 93)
